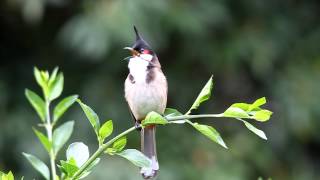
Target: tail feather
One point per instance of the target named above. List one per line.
(148, 147)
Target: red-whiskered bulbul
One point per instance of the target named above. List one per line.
(145, 91)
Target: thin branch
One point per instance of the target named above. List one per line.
(182, 117)
(52, 155)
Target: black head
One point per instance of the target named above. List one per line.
(141, 45)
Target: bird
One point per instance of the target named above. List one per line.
(146, 90)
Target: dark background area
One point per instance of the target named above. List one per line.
(253, 49)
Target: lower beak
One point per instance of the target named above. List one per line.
(133, 52)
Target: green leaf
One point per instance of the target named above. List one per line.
(243, 106)
(79, 152)
(72, 161)
(69, 168)
(262, 115)
(203, 96)
(106, 130)
(154, 118)
(63, 106)
(251, 107)
(252, 111)
(91, 115)
(10, 176)
(38, 165)
(235, 112)
(61, 135)
(37, 103)
(55, 89)
(136, 157)
(255, 130)
(53, 76)
(42, 78)
(170, 112)
(120, 144)
(210, 132)
(43, 139)
(39, 78)
(45, 75)
(259, 102)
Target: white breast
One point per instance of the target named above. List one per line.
(138, 67)
(144, 97)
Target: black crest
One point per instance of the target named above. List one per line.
(140, 43)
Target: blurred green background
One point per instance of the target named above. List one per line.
(253, 48)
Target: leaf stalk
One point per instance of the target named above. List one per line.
(49, 128)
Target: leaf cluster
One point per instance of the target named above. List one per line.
(80, 163)
(8, 176)
(102, 133)
(55, 137)
(239, 111)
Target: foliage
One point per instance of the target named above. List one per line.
(8, 176)
(79, 163)
(56, 137)
(77, 153)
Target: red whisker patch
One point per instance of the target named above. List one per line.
(146, 51)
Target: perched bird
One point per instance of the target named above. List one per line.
(145, 91)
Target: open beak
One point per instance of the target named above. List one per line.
(133, 52)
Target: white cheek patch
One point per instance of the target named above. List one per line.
(147, 57)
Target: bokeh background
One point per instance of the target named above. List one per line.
(253, 49)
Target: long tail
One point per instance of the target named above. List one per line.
(148, 147)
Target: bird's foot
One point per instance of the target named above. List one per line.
(137, 125)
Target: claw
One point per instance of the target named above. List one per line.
(137, 125)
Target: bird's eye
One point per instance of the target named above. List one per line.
(141, 50)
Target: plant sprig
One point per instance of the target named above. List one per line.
(238, 111)
(7, 176)
(55, 137)
(118, 144)
(79, 163)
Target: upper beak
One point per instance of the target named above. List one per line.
(133, 52)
